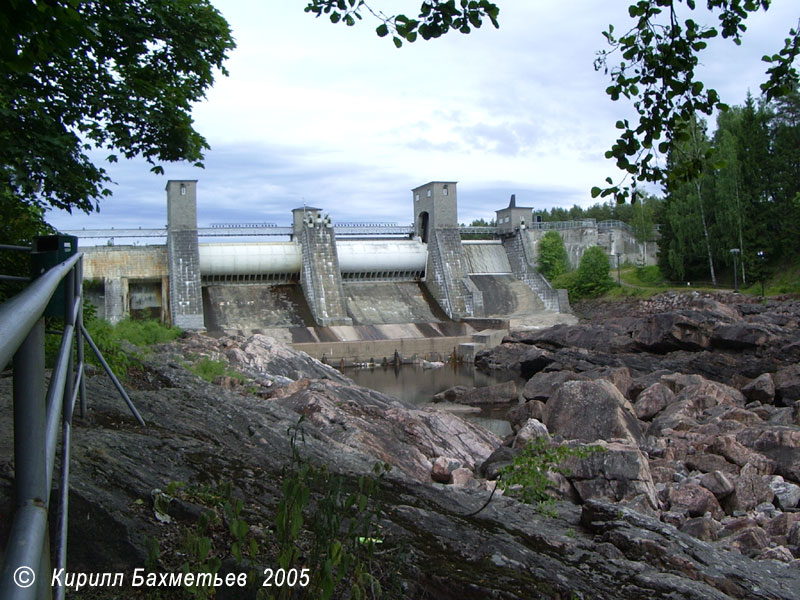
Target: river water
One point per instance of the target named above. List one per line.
(416, 385)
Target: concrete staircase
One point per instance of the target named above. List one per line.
(447, 275)
(320, 277)
(521, 257)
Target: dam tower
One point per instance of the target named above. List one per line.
(447, 270)
(183, 255)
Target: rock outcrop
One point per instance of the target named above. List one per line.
(693, 398)
(693, 494)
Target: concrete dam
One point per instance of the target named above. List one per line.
(340, 292)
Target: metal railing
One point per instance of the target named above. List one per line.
(38, 416)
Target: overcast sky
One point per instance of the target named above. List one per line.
(339, 119)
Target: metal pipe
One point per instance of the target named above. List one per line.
(19, 314)
(113, 377)
(12, 247)
(63, 505)
(30, 419)
(67, 398)
(79, 337)
(54, 400)
(14, 278)
(25, 543)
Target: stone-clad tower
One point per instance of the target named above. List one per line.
(185, 291)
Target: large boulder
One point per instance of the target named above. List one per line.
(695, 395)
(705, 394)
(504, 357)
(616, 471)
(358, 419)
(517, 415)
(787, 385)
(751, 489)
(603, 339)
(543, 385)
(534, 360)
(777, 442)
(694, 500)
(591, 410)
(740, 336)
(531, 430)
(652, 401)
(499, 393)
(261, 356)
(665, 332)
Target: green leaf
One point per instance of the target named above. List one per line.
(382, 30)
(596, 192)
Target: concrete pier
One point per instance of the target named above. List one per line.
(185, 297)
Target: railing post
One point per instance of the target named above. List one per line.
(30, 464)
(30, 419)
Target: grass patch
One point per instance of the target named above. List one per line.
(145, 333)
(209, 369)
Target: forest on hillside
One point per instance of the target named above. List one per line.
(748, 196)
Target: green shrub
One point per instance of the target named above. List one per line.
(526, 478)
(566, 281)
(592, 278)
(553, 259)
(108, 339)
(342, 520)
(109, 343)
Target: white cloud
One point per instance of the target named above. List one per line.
(339, 118)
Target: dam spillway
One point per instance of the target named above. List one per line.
(375, 282)
(283, 261)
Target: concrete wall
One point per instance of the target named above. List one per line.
(506, 296)
(249, 308)
(447, 269)
(132, 262)
(612, 241)
(120, 267)
(378, 350)
(390, 302)
(486, 257)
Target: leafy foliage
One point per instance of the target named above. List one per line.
(526, 478)
(553, 259)
(116, 75)
(650, 275)
(655, 69)
(435, 18)
(591, 277)
(19, 224)
(749, 196)
(344, 527)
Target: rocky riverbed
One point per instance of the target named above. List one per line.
(694, 398)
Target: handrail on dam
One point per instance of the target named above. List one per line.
(38, 413)
(247, 229)
(241, 225)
